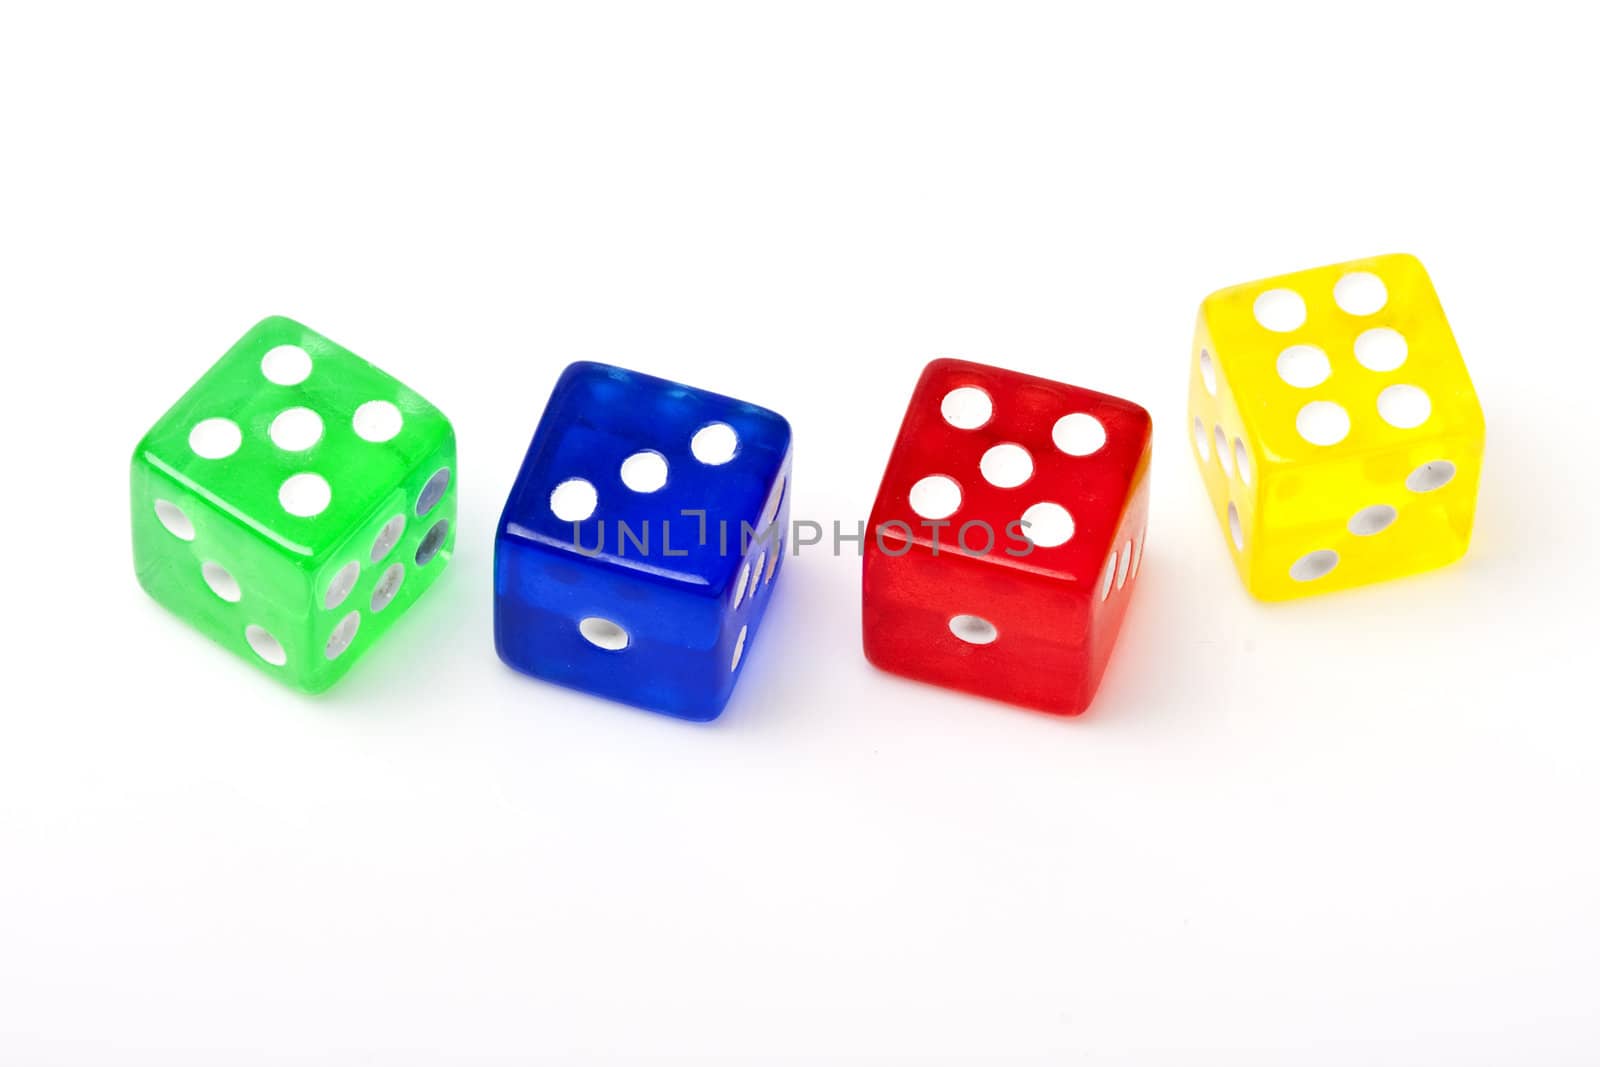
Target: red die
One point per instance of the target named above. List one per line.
(955, 590)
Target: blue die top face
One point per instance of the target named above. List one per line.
(611, 588)
(597, 418)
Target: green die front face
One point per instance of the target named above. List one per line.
(294, 502)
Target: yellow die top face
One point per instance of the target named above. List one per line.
(1327, 406)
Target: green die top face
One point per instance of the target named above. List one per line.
(294, 502)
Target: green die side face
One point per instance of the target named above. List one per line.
(294, 502)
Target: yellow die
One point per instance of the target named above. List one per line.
(1335, 426)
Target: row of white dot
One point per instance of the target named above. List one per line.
(1367, 522)
(938, 496)
(1381, 349)
(1123, 566)
(1325, 422)
(750, 579)
(1359, 293)
(294, 429)
(297, 428)
(270, 649)
(969, 408)
(1236, 457)
(575, 499)
(765, 567)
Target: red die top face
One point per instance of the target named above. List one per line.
(981, 451)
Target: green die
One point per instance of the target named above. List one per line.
(294, 502)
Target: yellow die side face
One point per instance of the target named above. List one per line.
(1354, 436)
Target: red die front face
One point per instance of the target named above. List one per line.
(951, 591)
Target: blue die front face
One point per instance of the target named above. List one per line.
(614, 580)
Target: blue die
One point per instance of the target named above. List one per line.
(636, 552)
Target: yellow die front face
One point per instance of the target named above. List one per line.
(1335, 426)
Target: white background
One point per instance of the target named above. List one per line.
(1356, 829)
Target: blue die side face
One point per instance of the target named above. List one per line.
(646, 600)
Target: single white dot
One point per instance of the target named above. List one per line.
(1309, 568)
(388, 586)
(304, 494)
(286, 365)
(1079, 434)
(176, 522)
(738, 648)
(1138, 555)
(644, 472)
(377, 421)
(1224, 456)
(1381, 349)
(1048, 524)
(1304, 366)
(741, 584)
(296, 429)
(1280, 310)
(1208, 372)
(1360, 293)
(221, 582)
(603, 633)
(1322, 422)
(265, 645)
(1404, 407)
(966, 408)
(1373, 520)
(772, 564)
(342, 635)
(755, 575)
(1006, 466)
(1431, 476)
(574, 500)
(432, 542)
(388, 537)
(769, 513)
(1110, 576)
(215, 438)
(433, 491)
(714, 444)
(1202, 440)
(1235, 528)
(1241, 460)
(974, 630)
(935, 497)
(1125, 563)
(340, 585)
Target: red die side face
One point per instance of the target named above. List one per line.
(1028, 624)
